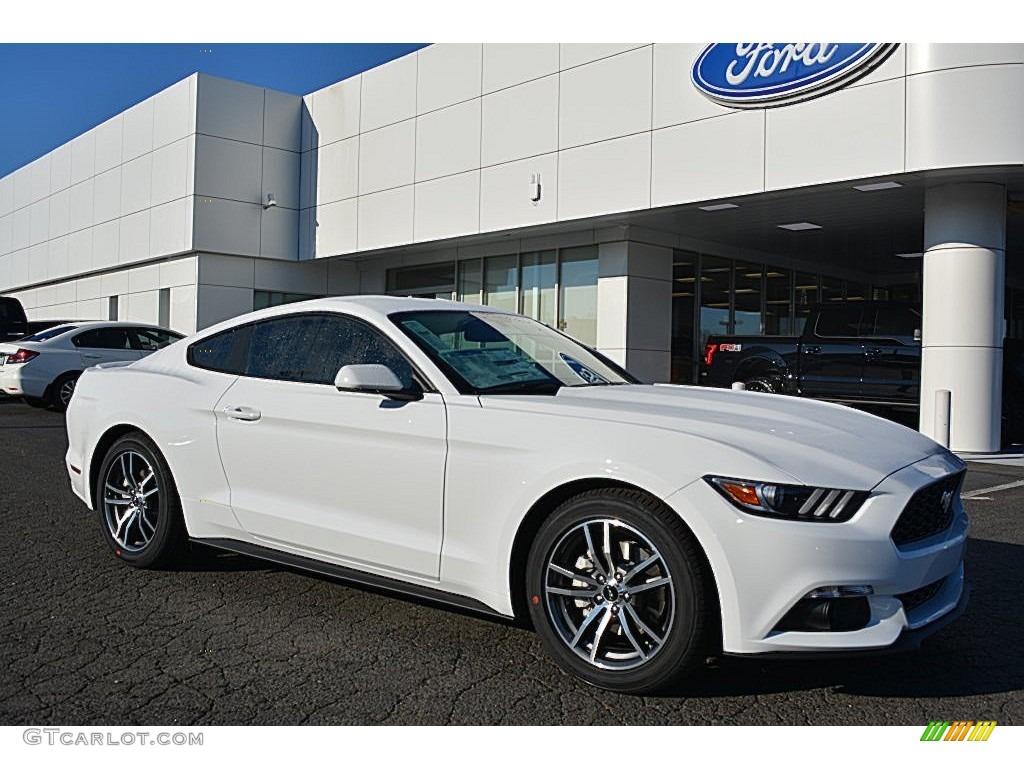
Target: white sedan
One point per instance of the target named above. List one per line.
(43, 368)
(481, 459)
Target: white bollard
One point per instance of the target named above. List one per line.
(739, 386)
(943, 402)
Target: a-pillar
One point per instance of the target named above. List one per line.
(962, 330)
(634, 307)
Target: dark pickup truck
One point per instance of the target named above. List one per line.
(865, 353)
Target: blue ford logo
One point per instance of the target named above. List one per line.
(773, 74)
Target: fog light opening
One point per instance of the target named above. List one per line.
(829, 609)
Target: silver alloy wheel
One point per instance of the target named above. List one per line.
(609, 594)
(67, 389)
(131, 498)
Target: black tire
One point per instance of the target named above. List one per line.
(647, 642)
(36, 402)
(762, 384)
(139, 540)
(62, 390)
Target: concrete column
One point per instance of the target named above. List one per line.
(634, 307)
(962, 333)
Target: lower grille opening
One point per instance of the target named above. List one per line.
(842, 614)
(919, 597)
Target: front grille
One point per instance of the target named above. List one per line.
(925, 515)
(912, 600)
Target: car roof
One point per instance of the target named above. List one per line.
(368, 307)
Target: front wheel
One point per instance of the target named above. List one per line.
(138, 505)
(617, 587)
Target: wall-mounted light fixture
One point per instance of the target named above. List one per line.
(271, 201)
(535, 189)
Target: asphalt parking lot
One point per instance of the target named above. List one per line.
(229, 640)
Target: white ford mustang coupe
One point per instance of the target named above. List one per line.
(481, 459)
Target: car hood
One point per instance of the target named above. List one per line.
(813, 442)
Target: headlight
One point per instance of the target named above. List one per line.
(790, 502)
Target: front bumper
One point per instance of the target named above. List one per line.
(763, 567)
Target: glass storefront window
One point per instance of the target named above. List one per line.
(778, 302)
(857, 291)
(831, 289)
(538, 286)
(264, 299)
(715, 276)
(500, 273)
(430, 280)
(470, 284)
(578, 293)
(805, 294)
(746, 318)
(684, 297)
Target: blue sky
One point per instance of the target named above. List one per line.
(50, 93)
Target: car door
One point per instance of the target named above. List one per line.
(105, 344)
(356, 477)
(892, 356)
(831, 354)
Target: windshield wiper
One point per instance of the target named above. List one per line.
(531, 387)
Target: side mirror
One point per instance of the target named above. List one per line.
(373, 379)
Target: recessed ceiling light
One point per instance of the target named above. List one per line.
(877, 187)
(718, 207)
(909, 255)
(799, 226)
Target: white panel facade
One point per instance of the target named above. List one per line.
(334, 114)
(855, 133)
(337, 170)
(708, 159)
(447, 75)
(137, 137)
(979, 118)
(388, 93)
(448, 141)
(521, 121)
(574, 54)
(508, 64)
(387, 157)
(506, 193)
(675, 99)
(385, 219)
(229, 110)
(605, 99)
(929, 57)
(605, 178)
(447, 207)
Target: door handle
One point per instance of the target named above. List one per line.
(91, 357)
(812, 350)
(873, 352)
(241, 413)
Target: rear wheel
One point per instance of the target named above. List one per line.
(616, 588)
(138, 504)
(62, 390)
(761, 384)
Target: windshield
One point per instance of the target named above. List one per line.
(492, 353)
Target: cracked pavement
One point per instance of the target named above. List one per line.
(229, 640)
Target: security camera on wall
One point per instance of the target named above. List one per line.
(271, 201)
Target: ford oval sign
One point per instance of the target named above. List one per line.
(772, 74)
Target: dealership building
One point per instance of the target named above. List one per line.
(639, 197)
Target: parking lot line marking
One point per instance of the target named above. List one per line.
(993, 489)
